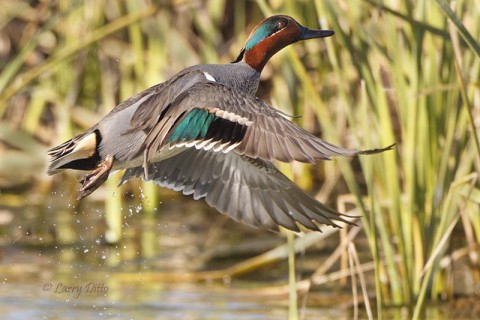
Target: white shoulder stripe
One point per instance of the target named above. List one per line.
(209, 76)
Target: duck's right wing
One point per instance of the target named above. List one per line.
(210, 115)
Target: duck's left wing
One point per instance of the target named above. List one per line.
(249, 190)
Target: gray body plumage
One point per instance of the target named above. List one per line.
(127, 146)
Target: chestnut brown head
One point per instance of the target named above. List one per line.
(273, 34)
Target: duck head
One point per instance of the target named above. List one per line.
(273, 34)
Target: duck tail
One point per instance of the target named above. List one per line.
(79, 153)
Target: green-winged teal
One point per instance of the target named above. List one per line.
(203, 132)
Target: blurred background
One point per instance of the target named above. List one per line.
(404, 72)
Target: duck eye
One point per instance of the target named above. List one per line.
(280, 25)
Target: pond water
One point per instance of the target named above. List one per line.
(56, 264)
(101, 298)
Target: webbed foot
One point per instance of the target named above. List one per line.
(93, 180)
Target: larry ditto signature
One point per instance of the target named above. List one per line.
(75, 290)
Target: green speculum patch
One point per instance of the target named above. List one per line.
(200, 124)
(194, 126)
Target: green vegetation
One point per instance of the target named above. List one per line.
(404, 72)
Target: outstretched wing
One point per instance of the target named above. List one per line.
(249, 190)
(210, 115)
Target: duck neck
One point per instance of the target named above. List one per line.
(258, 55)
